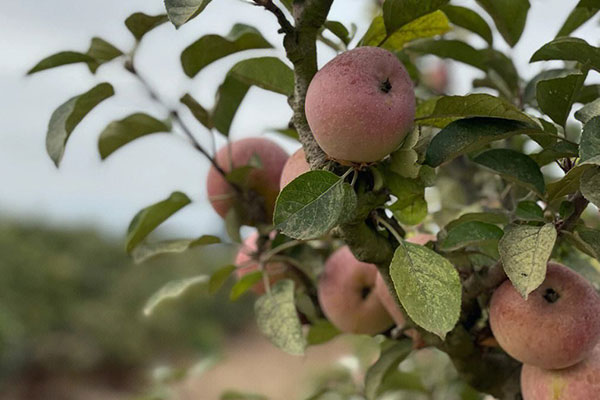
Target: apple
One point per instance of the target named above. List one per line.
(579, 382)
(264, 180)
(346, 292)
(247, 262)
(360, 105)
(556, 327)
(295, 166)
(385, 296)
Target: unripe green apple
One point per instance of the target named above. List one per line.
(295, 166)
(361, 105)
(247, 262)
(579, 382)
(264, 180)
(556, 327)
(347, 296)
(386, 297)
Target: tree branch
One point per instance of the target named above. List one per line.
(286, 26)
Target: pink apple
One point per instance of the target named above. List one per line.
(361, 105)
(579, 382)
(295, 166)
(556, 327)
(347, 296)
(264, 180)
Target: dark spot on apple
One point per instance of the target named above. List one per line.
(364, 293)
(386, 86)
(551, 295)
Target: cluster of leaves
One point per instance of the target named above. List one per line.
(517, 219)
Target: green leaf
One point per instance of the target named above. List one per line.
(218, 278)
(568, 184)
(146, 250)
(339, 30)
(119, 133)
(569, 49)
(588, 112)
(102, 51)
(173, 290)
(561, 149)
(489, 217)
(467, 135)
(588, 93)
(312, 204)
(139, 23)
(404, 161)
(525, 251)
(450, 108)
(502, 72)
(556, 96)
(66, 117)
(509, 16)
(428, 287)
(211, 48)
(233, 224)
(278, 320)
(515, 167)
(452, 49)
(152, 216)
(244, 284)
(470, 20)
(60, 59)
(229, 97)
(428, 25)
(584, 10)
(470, 234)
(387, 363)
(589, 147)
(406, 381)
(201, 114)
(590, 185)
(529, 211)
(397, 13)
(591, 237)
(410, 208)
(321, 331)
(266, 72)
(529, 94)
(181, 11)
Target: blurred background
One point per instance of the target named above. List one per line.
(70, 299)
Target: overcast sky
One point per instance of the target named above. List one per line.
(86, 191)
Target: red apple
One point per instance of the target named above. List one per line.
(361, 105)
(264, 180)
(295, 166)
(579, 382)
(347, 295)
(556, 327)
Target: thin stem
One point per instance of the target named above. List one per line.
(354, 178)
(389, 227)
(287, 245)
(175, 116)
(265, 277)
(346, 173)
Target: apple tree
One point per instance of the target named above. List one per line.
(406, 208)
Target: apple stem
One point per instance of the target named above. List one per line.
(390, 228)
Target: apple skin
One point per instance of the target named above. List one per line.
(544, 331)
(246, 264)
(347, 296)
(265, 181)
(382, 291)
(361, 105)
(579, 382)
(295, 166)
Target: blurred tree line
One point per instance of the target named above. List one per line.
(71, 301)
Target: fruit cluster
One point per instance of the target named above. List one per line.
(360, 107)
